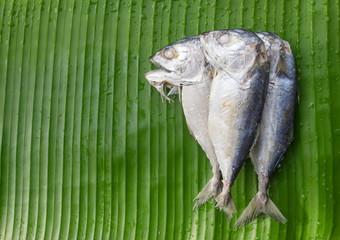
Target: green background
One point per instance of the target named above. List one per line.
(89, 150)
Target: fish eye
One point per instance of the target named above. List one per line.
(169, 53)
(223, 39)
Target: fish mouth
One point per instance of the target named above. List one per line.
(156, 80)
(151, 59)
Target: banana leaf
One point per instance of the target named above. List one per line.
(88, 150)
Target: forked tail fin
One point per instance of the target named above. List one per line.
(261, 203)
(226, 204)
(212, 189)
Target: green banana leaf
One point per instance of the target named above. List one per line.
(90, 151)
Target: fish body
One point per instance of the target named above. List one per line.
(276, 128)
(236, 100)
(195, 102)
(189, 69)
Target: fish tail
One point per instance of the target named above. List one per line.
(213, 187)
(203, 196)
(226, 204)
(261, 203)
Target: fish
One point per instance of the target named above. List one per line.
(236, 101)
(276, 127)
(194, 75)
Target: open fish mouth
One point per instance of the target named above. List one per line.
(160, 89)
(165, 94)
(154, 81)
(173, 90)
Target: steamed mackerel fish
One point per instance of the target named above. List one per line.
(276, 129)
(183, 64)
(236, 100)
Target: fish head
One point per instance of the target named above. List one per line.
(232, 51)
(184, 57)
(274, 50)
(272, 41)
(286, 64)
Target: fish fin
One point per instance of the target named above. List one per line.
(226, 204)
(257, 206)
(211, 189)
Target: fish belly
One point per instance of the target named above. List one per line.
(195, 101)
(224, 122)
